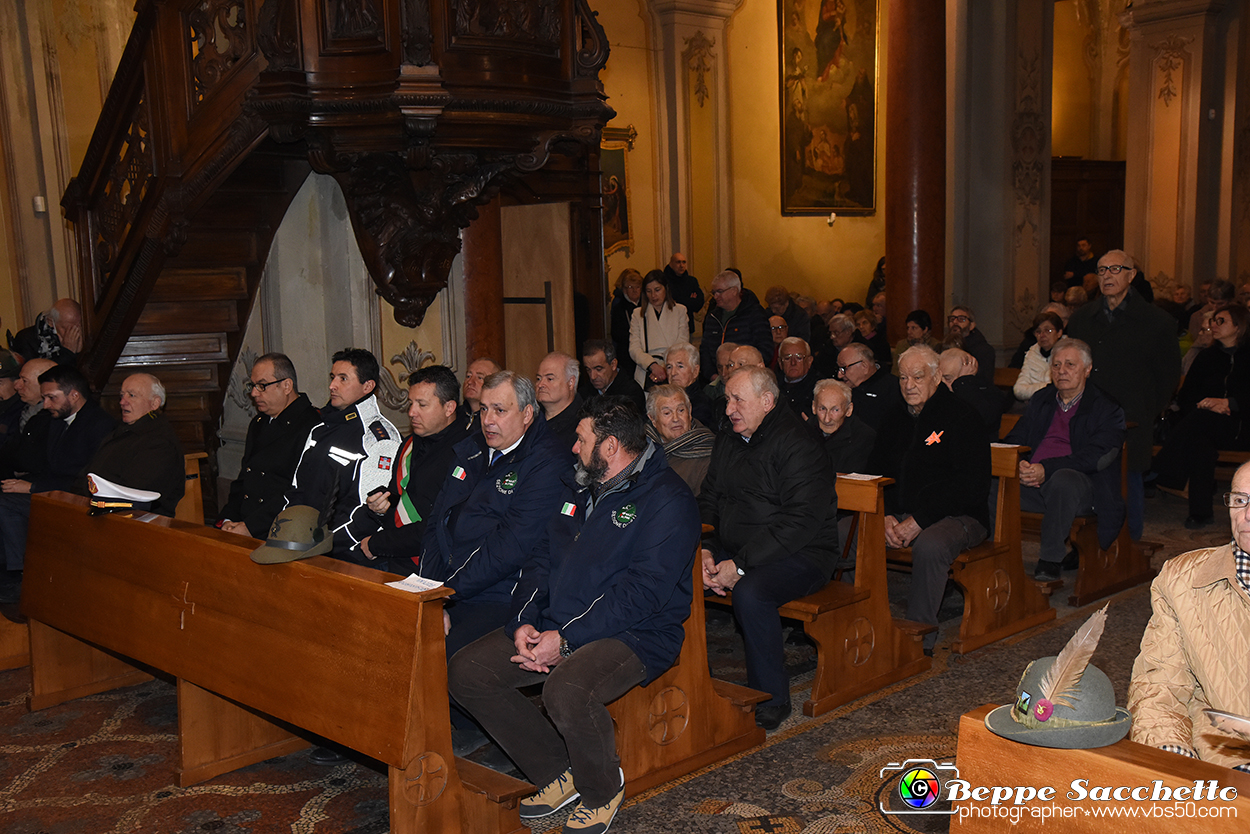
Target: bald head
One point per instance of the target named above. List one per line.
(141, 394)
(27, 383)
(745, 356)
(954, 363)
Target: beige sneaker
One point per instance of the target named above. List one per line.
(585, 820)
(556, 795)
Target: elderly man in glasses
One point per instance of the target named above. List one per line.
(1135, 361)
(1193, 650)
(873, 391)
(794, 375)
(275, 439)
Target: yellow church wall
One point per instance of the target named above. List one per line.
(629, 83)
(1071, 97)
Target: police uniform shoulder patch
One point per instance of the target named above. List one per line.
(507, 483)
(379, 430)
(625, 515)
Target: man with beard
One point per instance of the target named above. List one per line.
(599, 610)
(962, 327)
(76, 426)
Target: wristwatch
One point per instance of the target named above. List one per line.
(565, 649)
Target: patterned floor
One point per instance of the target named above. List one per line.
(106, 763)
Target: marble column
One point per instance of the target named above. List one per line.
(915, 160)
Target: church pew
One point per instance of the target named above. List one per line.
(985, 759)
(860, 647)
(684, 719)
(999, 599)
(1101, 572)
(318, 644)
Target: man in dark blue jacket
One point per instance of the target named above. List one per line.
(1075, 432)
(599, 610)
(52, 459)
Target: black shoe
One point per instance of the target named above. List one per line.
(1047, 572)
(11, 594)
(770, 717)
(1072, 561)
(326, 756)
(1193, 522)
(464, 742)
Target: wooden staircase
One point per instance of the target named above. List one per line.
(220, 109)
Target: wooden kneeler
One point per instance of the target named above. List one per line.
(860, 647)
(685, 719)
(999, 599)
(1101, 572)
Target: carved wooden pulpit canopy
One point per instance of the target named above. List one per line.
(421, 110)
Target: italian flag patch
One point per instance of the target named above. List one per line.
(458, 473)
(568, 509)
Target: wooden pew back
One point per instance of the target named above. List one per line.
(319, 644)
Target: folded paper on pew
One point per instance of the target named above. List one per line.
(414, 584)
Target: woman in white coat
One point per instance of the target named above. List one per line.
(653, 328)
(1035, 373)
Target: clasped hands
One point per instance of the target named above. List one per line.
(536, 651)
(900, 533)
(719, 578)
(1217, 404)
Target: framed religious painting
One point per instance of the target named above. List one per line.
(613, 154)
(828, 59)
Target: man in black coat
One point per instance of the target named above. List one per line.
(683, 288)
(736, 316)
(275, 439)
(1075, 432)
(771, 495)
(603, 373)
(75, 427)
(419, 471)
(848, 440)
(143, 452)
(556, 387)
(794, 375)
(873, 391)
(934, 448)
(962, 323)
(959, 373)
(1136, 362)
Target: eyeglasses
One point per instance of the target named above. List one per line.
(842, 369)
(1041, 331)
(794, 357)
(1114, 269)
(1236, 500)
(249, 385)
(722, 290)
(780, 326)
(1219, 320)
(958, 318)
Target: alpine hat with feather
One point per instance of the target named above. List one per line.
(1063, 701)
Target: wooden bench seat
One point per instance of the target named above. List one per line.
(1101, 572)
(999, 599)
(860, 647)
(987, 760)
(256, 650)
(684, 719)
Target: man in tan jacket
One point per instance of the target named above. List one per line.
(1193, 654)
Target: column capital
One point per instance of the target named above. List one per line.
(716, 9)
(1145, 12)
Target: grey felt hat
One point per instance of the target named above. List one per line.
(297, 533)
(1093, 721)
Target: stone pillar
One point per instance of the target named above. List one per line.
(915, 160)
(692, 125)
(1176, 99)
(482, 250)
